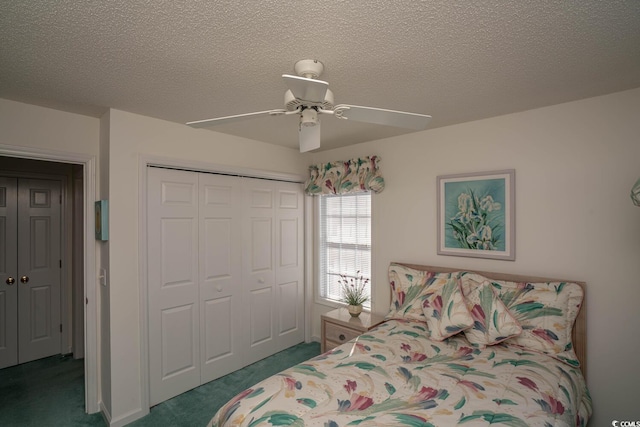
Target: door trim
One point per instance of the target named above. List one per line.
(92, 396)
(144, 161)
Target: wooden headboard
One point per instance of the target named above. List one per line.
(579, 333)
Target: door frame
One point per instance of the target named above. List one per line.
(88, 162)
(144, 161)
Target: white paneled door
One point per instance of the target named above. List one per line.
(173, 291)
(225, 275)
(220, 276)
(30, 260)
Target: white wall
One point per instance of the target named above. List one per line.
(131, 136)
(575, 164)
(26, 125)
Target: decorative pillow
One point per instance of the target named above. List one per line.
(407, 286)
(546, 312)
(444, 308)
(492, 322)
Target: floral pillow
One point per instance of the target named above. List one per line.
(444, 308)
(546, 312)
(407, 285)
(492, 322)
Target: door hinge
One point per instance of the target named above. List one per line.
(60, 263)
(60, 327)
(61, 199)
(86, 301)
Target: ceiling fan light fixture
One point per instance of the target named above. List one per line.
(309, 117)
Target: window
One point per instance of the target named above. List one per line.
(345, 241)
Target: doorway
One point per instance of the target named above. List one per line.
(31, 258)
(76, 263)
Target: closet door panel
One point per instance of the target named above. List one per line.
(173, 291)
(223, 346)
(289, 264)
(259, 247)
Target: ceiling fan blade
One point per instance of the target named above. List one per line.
(309, 137)
(231, 119)
(310, 90)
(381, 116)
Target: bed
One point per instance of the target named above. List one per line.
(457, 348)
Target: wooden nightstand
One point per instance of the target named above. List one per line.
(338, 327)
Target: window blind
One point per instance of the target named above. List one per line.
(345, 241)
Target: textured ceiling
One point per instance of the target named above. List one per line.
(190, 60)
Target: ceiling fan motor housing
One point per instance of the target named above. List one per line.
(291, 103)
(309, 68)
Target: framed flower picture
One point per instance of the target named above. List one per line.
(476, 215)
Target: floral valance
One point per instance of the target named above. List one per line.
(342, 177)
(635, 193)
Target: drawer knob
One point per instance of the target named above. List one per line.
(342, 337)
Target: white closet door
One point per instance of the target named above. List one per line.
(8, 272)
(289, 265)
(259, 247)
(173, 291)
(221, 310)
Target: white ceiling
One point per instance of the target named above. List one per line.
(190, 60)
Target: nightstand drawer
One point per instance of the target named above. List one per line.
(339, 334)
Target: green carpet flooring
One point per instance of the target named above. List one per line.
(50, 392)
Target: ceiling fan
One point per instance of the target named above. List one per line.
(308, 97)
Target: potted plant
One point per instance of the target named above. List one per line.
(354, 292)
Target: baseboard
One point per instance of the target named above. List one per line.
(105, 412)
(127, 418)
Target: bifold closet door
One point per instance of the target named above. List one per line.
(225, 275)
(173, 289)
(289, 264)
(272, 266)
(221, 311)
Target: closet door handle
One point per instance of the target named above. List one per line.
(24, 279)
(11, 281)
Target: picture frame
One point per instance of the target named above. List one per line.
(476, 215)
(102, 220)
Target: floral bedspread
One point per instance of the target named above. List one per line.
(395, 376)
